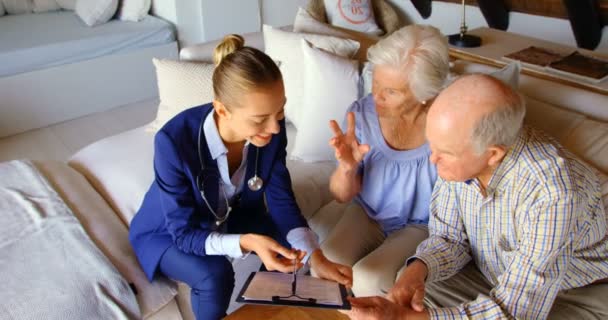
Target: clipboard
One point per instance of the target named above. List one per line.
(275, 297)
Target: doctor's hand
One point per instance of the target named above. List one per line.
(273, 255)
(408, 290)
(326, 269)
(347, 149)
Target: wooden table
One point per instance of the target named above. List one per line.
(496, 43)
(266, 312)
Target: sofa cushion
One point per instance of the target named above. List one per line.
(96, 12)
(181, 85)
(133, 10)
(124, 180)
(354, 15)
(386, 16)
(119, 168)
(305, 23)
(285, 48)
(331, 84)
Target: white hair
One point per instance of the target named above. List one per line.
(420, 50)
(501, 126)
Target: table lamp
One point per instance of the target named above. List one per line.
(463, 39)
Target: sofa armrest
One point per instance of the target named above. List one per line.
(204, 51)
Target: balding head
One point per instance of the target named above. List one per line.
(474, 113)
(488, 111)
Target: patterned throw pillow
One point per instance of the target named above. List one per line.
(355, 15)
(181, 85)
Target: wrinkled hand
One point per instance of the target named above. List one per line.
(326, 269)
(273, 255)
(374, 308)
(347, 149)
(408, 290)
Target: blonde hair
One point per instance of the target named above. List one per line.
(422, 52)
(240, 69)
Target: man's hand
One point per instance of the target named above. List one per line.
(408, 291)
(273, 255)
(378, 308)
(326, 269)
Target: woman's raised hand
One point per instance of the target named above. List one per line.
(347, 149)
(273, 255)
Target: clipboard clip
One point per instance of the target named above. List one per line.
(310, 301)
(293, 291)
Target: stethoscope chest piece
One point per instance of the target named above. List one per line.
(255, 183)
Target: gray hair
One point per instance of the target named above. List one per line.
(501, 126)
(420, 49)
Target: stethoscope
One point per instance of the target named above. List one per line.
(255, 183)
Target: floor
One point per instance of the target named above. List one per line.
(60, 141)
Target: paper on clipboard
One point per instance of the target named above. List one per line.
(265, 285)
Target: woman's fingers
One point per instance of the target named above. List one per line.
(350, 124)
(344, 276)
(277, 248)
(335, 128)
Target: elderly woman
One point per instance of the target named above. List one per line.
(383, 160)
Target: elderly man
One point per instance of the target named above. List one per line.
(526, 212)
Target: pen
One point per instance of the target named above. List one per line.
(293, 282)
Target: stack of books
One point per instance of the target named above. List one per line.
(573, 65)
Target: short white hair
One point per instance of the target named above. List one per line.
(501, 126)
(419, 50)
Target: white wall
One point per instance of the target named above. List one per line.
(280, 12)
(229, 16)
(164, 9)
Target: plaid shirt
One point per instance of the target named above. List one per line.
(540, 229)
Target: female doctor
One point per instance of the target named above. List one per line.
(215, 166)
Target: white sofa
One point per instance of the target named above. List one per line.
(55, 68)
(120, 167)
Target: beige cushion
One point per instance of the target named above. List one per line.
(586, 138)
(331, 84)
(2, 12)
(121, 180)
(306, 23)
(589, 140)
(108, 233)
(181, 85)
(96, 12)
(386, 16)
(353, 15)
(285, 48)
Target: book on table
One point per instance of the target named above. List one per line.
(574, 65)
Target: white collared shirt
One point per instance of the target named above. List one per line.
(218, 243)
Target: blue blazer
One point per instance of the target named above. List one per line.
(173, 211)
